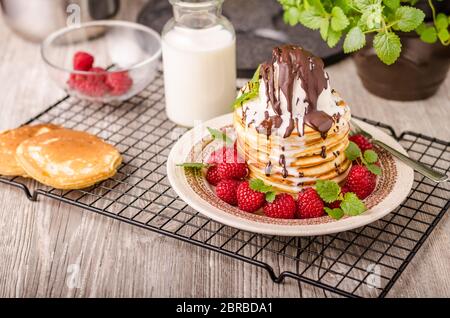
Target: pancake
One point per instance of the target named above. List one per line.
(68, 159)
(288, 164)
(10, 140)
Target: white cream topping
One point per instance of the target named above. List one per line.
(255, 109)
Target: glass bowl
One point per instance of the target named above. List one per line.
(126, 58)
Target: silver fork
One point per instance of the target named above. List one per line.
(417, 166)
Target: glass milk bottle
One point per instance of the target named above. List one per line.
(199, 58)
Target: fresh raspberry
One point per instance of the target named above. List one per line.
(336, 204)
(99, 77)
(362, 142)
(249, 200)
(224, 154)
(309, 204)
(93, 89)
(75, 80)
(82, 61)
(212, 176)
(226, 190)
(119, 83)
(232, 170)
(91, 85)
(283, 207)
(361, 181)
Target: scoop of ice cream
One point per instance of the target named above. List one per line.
(294, 91)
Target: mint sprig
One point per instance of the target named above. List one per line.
(352, 152)
(440, 30)
(387, 46)
(219, 135)
(193, 165)
(368, 158)
(260, 186)
(408, 18)
(329, 191)
(355, 19)
(354, 40)
(253, 90)
(339, 20)
(352, 205)
(335, 213)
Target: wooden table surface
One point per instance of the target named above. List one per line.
(51, 249)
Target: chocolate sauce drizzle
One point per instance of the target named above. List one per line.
(268, 123)
(282, 163)
(294, 63)
(323, 152)
(268, 168)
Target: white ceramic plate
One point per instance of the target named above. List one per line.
(392, 188)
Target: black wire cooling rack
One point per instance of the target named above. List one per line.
(365, 262)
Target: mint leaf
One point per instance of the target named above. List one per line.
(408, 18)
(387, 46)
(339, 20)
(441, 21)
(334, 213)
(333, 37)
(443, 35)
(421, 28)
(363, 4)
(193, 165)
(372, 14)
(429, 35)
(392, 4)
(375, 169)
(291, 16)
(352, 205)
(270, 196)
(352, 152)
(344, 5)
(316, 5)
(244, 97)
(366, 4)
(370, 156)
(328, 190)
(259, 185)
(324, 25)
(255, 78)
(310, 18)
(218, 135)
(253, 90)
(354, 40)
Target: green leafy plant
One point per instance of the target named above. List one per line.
(329, 191)
(369, 158)
(353, 20)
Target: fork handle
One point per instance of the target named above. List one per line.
(417, 166)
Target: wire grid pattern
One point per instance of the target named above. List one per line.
(364, 262)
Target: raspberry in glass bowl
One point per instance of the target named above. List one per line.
(103, 61)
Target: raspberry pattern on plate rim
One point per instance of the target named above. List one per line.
(196, 180)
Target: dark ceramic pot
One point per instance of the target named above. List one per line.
(417, 74)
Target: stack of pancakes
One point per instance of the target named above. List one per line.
(288, 164)
(57, 157)
(294, 128)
